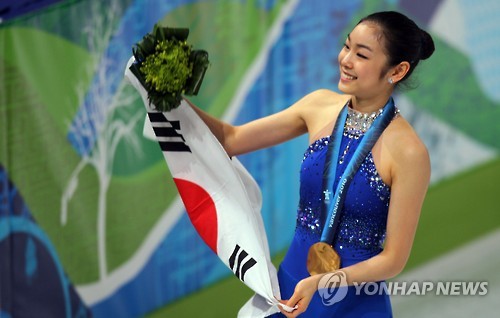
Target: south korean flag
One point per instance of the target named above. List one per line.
(221, 198)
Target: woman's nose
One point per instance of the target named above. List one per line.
(345, 60)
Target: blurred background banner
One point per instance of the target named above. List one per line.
(87, 203)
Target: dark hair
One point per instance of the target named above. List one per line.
(404, 40)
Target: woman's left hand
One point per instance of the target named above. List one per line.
(302, 295)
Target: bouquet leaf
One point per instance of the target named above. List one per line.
(168, 67)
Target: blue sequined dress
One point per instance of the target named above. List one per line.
(361, 231)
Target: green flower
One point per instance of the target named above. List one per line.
(168, 67)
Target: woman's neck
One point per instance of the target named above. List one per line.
(369, 105)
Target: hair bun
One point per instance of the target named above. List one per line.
(427, 45)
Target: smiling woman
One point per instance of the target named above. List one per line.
(361, 186)
(380, 40)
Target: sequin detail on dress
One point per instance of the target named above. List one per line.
(362, 225)
(316, 146)
(360, 233)
(370, 171)
(309, 219)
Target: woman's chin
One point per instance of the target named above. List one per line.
(344, 88)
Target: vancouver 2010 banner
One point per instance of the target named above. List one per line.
(91, 221)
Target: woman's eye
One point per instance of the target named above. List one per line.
(362, 56)
(346, 46)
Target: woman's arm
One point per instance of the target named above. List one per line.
(410, 180)
(410, 174)
(267, 131)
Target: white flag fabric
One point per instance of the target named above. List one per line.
(221, 198)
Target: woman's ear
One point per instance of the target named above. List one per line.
(398, 72)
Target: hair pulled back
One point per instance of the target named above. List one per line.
(403, 39)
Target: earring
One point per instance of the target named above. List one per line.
(390, 80)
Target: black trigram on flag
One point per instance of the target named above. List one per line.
(167, 133)
(238, 264)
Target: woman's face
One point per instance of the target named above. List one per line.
(362, 62)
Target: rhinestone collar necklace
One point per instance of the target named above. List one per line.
(357, 123)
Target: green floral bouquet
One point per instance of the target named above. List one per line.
(168, 67)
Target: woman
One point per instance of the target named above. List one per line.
(379, 216)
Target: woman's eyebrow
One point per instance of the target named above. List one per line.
(364, 46)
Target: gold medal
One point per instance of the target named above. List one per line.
(322, 258)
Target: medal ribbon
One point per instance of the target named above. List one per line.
(370, 138)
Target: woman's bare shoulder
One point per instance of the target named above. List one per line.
(325, 96)
(320, 108)
(404, 142)
(321, 99)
